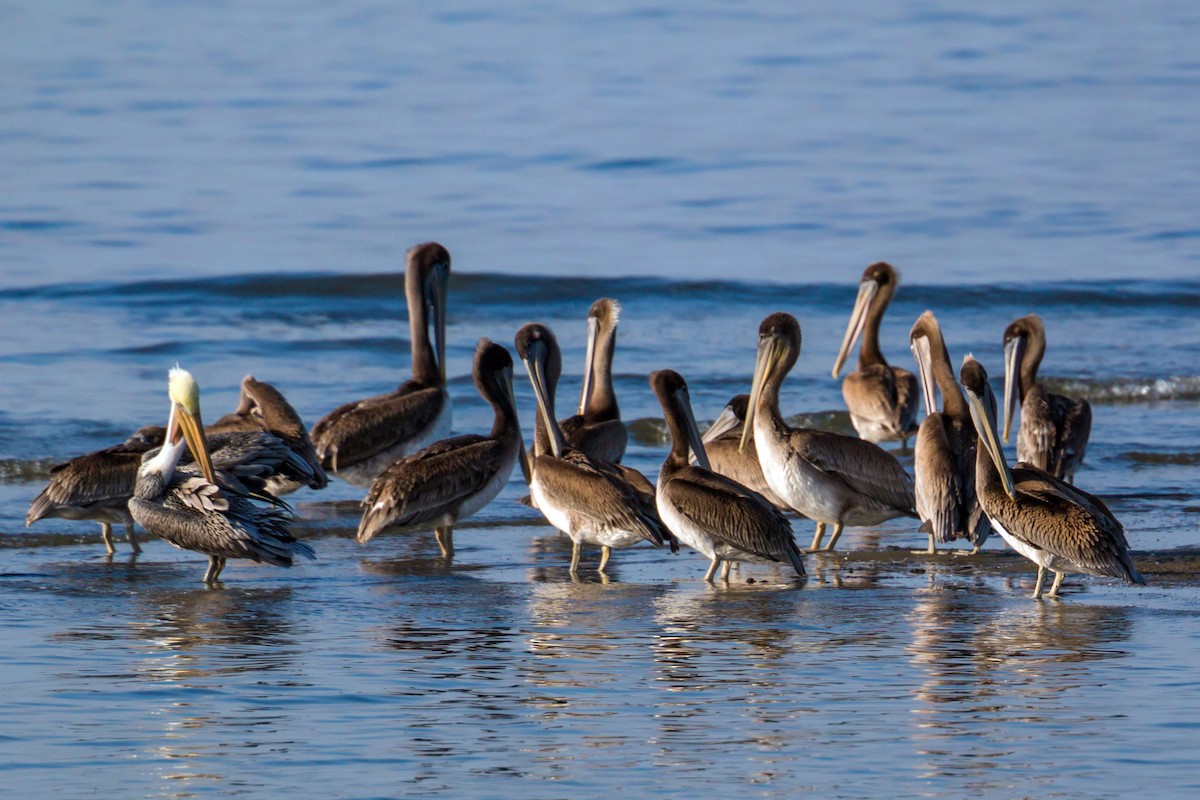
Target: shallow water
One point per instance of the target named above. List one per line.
(233, 189)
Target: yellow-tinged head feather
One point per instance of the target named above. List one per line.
(183, 389)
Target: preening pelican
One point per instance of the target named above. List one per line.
(944, 458)
(827, 477)
(881, 399)
(597, 429)
(722, 442)
(359, 440)
(592, 501)
(715, 516)
(97, 486)
(198, 508)
(1050, 522)
(1054, 429)
(264, 408)
(452, 479)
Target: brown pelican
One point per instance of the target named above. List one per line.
(197, 507)
(882, 399)
(1054, 429)
(452, 479)
(592, 501)
(264, 408)
(1053, 524)
(722, 444)
(718, 517)
(944, 461)
(359, 440)
(597, 429)
(827, 477)
(97, 486)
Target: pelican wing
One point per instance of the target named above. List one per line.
(357, 431)
(871, 393)
(906, 389)
(864, 467)
(605, 440)
(430, 483)
(1038, 434)
(1074, 429)
(598, 496)
(729, 511)
(104, 478)
(938, 481)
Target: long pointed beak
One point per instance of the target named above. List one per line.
(725, 422)
(985, 425)
(589, 363)
(761, 368)
(533, 365)
(924, 357)
(438, 310)
(1014, 351)
(693, 432)
(858, 318)
(193, 432)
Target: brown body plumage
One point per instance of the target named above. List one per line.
(452, 479)
(359, 440)
(881, 399)
(1054, 429)
(722, 442)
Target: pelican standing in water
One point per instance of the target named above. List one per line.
(722, 443)
(827, 477)
(359, 440)
(1050, 522)
(1054, 429)
(881, 399)
(197, 508)
(592, 501)
(597, 429)
(452, 479)
(718, 517)
(944, 458)
(97, 486)
(264, 408)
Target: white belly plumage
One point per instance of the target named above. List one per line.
(1043, 558)
(364, 473)
(577, 526)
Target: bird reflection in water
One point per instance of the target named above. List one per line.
(989, 668)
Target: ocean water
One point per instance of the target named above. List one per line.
(232, 188)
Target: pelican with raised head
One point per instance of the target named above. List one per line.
(1054, 429)
(714, 515)
(97, 486)
(198, 508)
(881, 399)
(359, 440)
(262, 407)
(594, 502)
(944, 457)
(827, 477)
(450, 480)
(722, 443)
(1053, 524)
(597, 429)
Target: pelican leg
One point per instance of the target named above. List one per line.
(1037, 587)
(576, 550)
(605, 552)
(837, 531)
(106, 533)
(133, 542)
(712, 569)
(215, 565)
(1058, 579)
(445, 540)
(974, 551)
(820, 534)
(725, 567)
(931, 550)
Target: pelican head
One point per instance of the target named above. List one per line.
(185, 420)
(982, 402)
(538, 350)
(732, 416)
(672, 392)
(602, 319)
(925, 332)
(493, 370)
(427, 276)
(1021, 335)
(877, 279)
(778, 348)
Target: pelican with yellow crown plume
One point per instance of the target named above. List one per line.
(198, 507)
